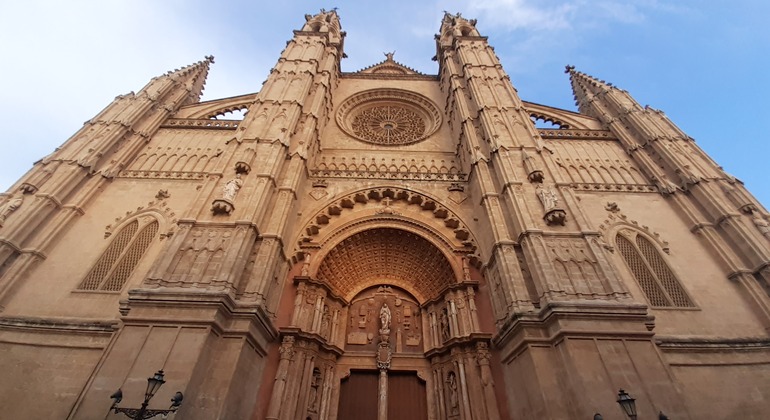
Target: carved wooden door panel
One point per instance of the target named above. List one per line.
(406, 397)
(358, 396)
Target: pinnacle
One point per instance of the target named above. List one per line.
(585, 86)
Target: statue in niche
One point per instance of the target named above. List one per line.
(10, 206)
(325, 322)
(548, 197)
(315, 381)
(385, 317)
(305, 266)
(444, 321)
(385, 324)
(454, 401)
(231, 188)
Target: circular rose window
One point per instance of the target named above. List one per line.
(388, 117)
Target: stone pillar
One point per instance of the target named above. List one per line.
(382, 400)
(280, 378)
(487, 383)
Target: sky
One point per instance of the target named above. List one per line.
(703, 63)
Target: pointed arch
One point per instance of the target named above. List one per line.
(656, 279)
(120, 258)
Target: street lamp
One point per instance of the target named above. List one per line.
(628, 404)
(153, 385)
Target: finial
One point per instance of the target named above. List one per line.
(210, 58)
(389, 55)
(568, 68)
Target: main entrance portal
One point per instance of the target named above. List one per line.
(385, 325)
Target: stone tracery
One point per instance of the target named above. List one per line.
(389, 117)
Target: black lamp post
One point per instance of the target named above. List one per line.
(628, 404)
(153, 385)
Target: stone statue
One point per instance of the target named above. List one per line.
(444, 321)
(305, 266)
(466, 270)
(231, 188)
(548, 197)
(325, 323)
(385, 317)
(315, 381)
(759, 222)
(454, 402)
(9, 207)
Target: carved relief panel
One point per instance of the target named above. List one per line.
(364, 321)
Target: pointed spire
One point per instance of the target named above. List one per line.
(585, 87)
(192, 78)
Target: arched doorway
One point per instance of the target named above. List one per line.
(385, 303)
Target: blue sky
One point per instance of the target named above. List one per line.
(702, 62)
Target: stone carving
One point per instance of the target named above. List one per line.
(388, 117)
(360, 260)
(231, 188)
(162, 195)
(553, 214)
(305, 272)
(453, 402)
(224, 205)
(199, 260)
(9, 207)
(385, 318)
(388, 313)
(761, 224)
(577, 270)
(388, 125)
(534, 173)
(444, 324)
(315, 382)
(547, 197)
(466, 269)
(325, 323)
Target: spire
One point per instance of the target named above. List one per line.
(192, 77)
(585, 88)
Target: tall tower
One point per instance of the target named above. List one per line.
(383, 244)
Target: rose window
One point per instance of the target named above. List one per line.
(388, 124)
(388, 117)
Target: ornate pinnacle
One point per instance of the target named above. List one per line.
(568, 68)
(210, 58)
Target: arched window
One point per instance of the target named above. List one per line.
(651, 272)
(118, 261)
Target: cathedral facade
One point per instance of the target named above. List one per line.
(383, 244)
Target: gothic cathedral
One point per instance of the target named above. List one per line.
(383, 244)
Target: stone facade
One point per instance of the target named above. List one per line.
(389, 222)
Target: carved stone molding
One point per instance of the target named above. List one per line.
(388, 195)
(201, 123)
(162, 175)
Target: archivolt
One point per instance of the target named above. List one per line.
(451, 222)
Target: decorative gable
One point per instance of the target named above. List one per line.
(389, 67)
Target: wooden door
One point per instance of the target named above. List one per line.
(406, 397)
(358, 396)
